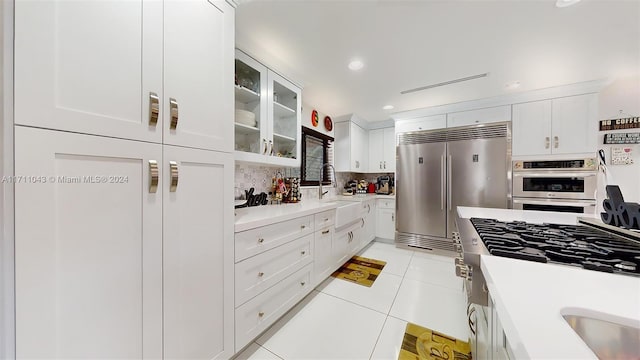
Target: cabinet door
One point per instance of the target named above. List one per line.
(322, 263)
(479, 116)
(532, 128)
(423, 123)
(198, 254)
(342, 146)
(370, 222)
(198, 74)
(251, 96)
(88, 247)
(376, 150)
(359, 146)
(340, 247)
(389, 160)
(89, 66)
(386, 223)
(284, 107)
(575, 124)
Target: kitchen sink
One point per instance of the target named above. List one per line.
(347, 212)
(607, 336)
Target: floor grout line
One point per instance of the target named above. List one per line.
(276, 355)
(355, 303)
(378, 338)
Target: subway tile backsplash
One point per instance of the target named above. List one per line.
(259, 177)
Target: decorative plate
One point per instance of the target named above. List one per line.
(314, 118)
(328, 124)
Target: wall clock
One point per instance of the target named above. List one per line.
(314, 118)
(328, 124)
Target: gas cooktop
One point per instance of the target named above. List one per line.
(575, 245)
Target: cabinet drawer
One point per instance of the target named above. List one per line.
(325, 219)
(386, 204)
(262, 311)
(258, 273)
(255, 241)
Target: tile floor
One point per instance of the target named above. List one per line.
(342, 320)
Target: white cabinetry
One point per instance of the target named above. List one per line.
(479, 116)
(129, 81)
(323, 265)
(422, 123)
(352, 145)
(344, 243)
(369, 217)
(558, 126)
(276, 104)
(386, 218)
(382, 150)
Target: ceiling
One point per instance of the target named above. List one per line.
(410, 44)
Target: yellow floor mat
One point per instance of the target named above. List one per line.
(425, 344)
(360, 270)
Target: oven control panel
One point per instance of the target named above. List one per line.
(588, 164)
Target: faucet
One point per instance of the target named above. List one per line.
(333, 182)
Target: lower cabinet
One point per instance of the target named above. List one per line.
(111, 260)
(490, 341)
(323, 264)
(369, 223)
(345, 243)
(386, 218)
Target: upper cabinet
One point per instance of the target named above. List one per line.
(423, 123)
(479, 116)
(351, 147)
(268, 115)
(382, 150)
(126, 70)
(565, 125)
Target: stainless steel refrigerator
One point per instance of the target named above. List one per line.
(438, 170)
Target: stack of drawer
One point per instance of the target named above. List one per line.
(273, 271)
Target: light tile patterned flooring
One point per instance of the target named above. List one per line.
(342, 320)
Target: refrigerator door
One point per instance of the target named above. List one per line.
(477, 175)
(420, 189)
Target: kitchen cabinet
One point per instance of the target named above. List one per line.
(345, 243)
(479, 116)
(151, 77)
(323, 265)
(386, 218)
(423, 123)
(352, 144)
(369, 222)
(565, 125)
(382, 150)
(275, 104)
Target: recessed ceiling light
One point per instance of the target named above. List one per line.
(356, 65)
(565, 3)
(387, 107)
(513, 85)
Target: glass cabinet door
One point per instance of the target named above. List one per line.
(285, 116)
(250, 105)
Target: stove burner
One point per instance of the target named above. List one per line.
(575, 245)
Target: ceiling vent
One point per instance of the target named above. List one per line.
(445, 83)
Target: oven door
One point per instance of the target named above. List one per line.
(563, 185)
(570, 206)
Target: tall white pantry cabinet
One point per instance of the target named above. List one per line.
(124, 231)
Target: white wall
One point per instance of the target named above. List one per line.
(622, 94)
(306, 120)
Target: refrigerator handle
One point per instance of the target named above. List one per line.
(449, 181)
(442, 182)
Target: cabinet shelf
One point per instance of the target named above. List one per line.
(281, 111)
(246, 130)
(283, 137)
(245, 95)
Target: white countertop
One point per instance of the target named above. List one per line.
(530, 299)
(256, 216)
(521, 215)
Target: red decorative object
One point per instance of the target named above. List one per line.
(314, 118)
(328, 124)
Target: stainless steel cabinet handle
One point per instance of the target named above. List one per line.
(449, 181)
(260, 240)
(302, 227)
(385, 164)
(325, 232)
(442, 182)
(271, 147)
(154, 108)
(302, 252)
(380, 165)
(264, 141)
(368, 208)
(173, 112)
(393, 217)
(546, 142)
(260, 274)
(556, 142)
(173, 169)
(153, 176)
(362, 223)
(357, 164)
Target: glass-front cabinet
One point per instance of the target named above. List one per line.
(267, 115)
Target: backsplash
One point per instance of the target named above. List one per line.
(259, 177)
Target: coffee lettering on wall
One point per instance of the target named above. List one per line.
(620, 124)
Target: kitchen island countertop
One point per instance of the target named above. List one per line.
(530, 298)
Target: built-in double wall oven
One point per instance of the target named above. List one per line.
(555, 185)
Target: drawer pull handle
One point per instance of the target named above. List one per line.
(302, 227)
(173, 169)
(153, 176)
(173, 113)
(302, 283)
(325, 232)
(261, 314)
(261, 274)
(154, 108)
(327, 219)
(260, 241)
(303, 252)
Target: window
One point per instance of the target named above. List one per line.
(317, 149)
